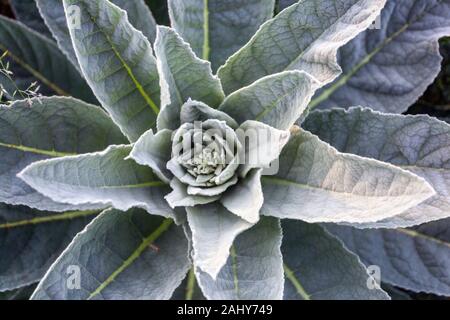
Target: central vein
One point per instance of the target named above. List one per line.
(206, 49)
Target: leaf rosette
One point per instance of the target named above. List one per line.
(194, 170)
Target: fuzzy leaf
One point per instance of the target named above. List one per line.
(53, 13)
(263, 145)
(30, 241)
(49, 127)
(316, 183)
(214, 229)
(388, 68)
(51, 71)
(120, 255)
(415, 259)
(179, 197)
(193, 111)
(245, 199)
(100, 178)
(216, 29)
(306, 36)
(277, 100)
(419, 144)
(183, 76)
(117, 62)
(154, 150)
(254, 269)
(318, 267)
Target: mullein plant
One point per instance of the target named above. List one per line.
(204, 171)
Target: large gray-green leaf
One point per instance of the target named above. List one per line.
(306, 36)
(317, 266)
(316, 183)
(245, 199)
(415, 259)
(217, 28)
(120, 255)
(53, 13)
(45, 128)
(183, 76)
(388, 68)
(33, 57)
(26, 12)
(100, 178)
(254, 269)
(214, 229)
(193, 111)
(118, 63)
(154, 150)
(30, 241)
(277, 100)
(262, 145)
(419, 144)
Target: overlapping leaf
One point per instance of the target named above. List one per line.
(216, 29)
(48, 128)
(419, 144)
(254, 269)
(277, 100)
(53, 13)
(120, 255)
(306, 36)
(30, 241)
(183, 76)
(36, 58)
(103, 178)
(118, 63)
(27, 13)
(416, 259)
(317, 266)
(316, 183)
(389, 67)
(214, 229)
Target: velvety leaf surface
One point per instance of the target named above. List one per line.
(193, 111)
(53, 13)
(217, 28)
(104, 178)
(26, 12)
(416, 259)
(316, 183)
(30, 241)
(262, 143)
(277, 100)
(48, 128)
(306, 36)
(34, 57)
(388, 68)
(118, 63)
(318, 267)
(254, 269)
(183, 76)
(214, 229)
(121, 255)
(419, 144)
(245, 199)
(154, 150)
